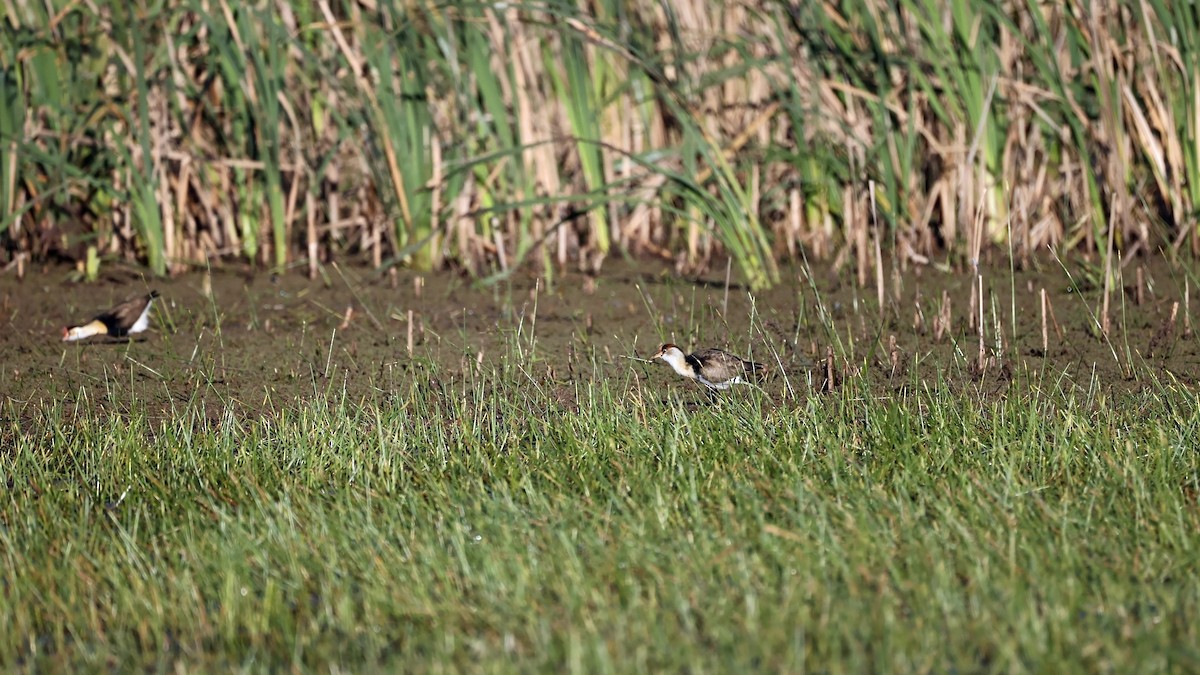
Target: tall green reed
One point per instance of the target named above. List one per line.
(142, 171)
(12, 126)
(267, 89)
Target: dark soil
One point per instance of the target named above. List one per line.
(262, 341)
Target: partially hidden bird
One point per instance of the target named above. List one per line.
(714, 368)
(127, 318)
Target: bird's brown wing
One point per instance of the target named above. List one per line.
(718, 365)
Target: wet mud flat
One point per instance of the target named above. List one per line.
(248, 343)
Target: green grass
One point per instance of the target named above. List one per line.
(444, 527)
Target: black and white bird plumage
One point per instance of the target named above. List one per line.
(714, 368)
(127, 318)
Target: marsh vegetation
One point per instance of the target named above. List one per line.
(390, 410)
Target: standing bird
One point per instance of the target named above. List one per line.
(127, 318)
(714, 368)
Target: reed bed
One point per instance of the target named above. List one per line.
(489, 137)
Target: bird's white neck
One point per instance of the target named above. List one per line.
(680, 363)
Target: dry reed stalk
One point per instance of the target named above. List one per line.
(299, 176)
(793, 222)
(498, 240)
(977, 230)
(463, 225)
(375, 241)
(310, 234)
(859, 228)
(1110, 130)
(189, 243)
(646, 213)
(878, 250)
(1137, 125)
(941, 323)
(408, 343)
(1187, 309)
(972, 307)
(364, 87)
(897, 283)
(982, 347)
(1045, 331)
(1105, 319)
(1152, 148)
(331, 190)
(533, 127)
(894, 354)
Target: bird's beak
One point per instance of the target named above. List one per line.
(657, 355)
(66, 333)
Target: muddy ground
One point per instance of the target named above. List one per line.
(260, 341)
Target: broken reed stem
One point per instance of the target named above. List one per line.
(894, 353)
(878, 250)
(1139, 295)
(1045, 328)
(310, 233)
(975, 303)
(977, 231)
(982, 348)
(860, 236)
(409, 342)
(1108, 271)
(501, 256)
(1104, 306)
(941, 322)
(1187, 309)
(329, 358)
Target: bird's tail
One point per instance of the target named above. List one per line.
(756, 370)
